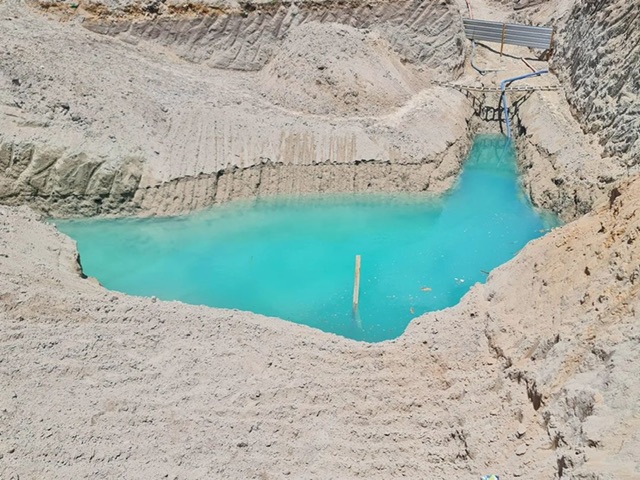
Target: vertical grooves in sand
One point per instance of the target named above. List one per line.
(599, 56)
(246, 40)
(94, 188)
(182, 136)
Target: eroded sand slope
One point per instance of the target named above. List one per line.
(176, 134)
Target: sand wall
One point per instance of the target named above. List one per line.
(178, 134)
(181, 130)
(597, 58)
(246, 36)
(576, 143)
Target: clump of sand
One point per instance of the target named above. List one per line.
(325, 68)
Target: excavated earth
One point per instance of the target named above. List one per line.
(159, 108)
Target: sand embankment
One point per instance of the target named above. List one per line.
(242, 100)
(177, 135)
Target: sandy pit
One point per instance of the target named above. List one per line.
(134, 109)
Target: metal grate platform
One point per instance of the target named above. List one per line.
(524, 88)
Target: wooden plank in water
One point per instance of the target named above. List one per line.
(356, 284)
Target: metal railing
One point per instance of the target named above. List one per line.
(483, 88)
(508, 33)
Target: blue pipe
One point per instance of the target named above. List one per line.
(505, 103)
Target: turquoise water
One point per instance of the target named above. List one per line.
(294, 259)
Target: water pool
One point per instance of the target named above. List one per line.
(294, 258)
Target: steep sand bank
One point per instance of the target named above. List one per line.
(177, 133)
(587, 137)
(285, 116)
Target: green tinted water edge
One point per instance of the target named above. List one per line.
(294, 258)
